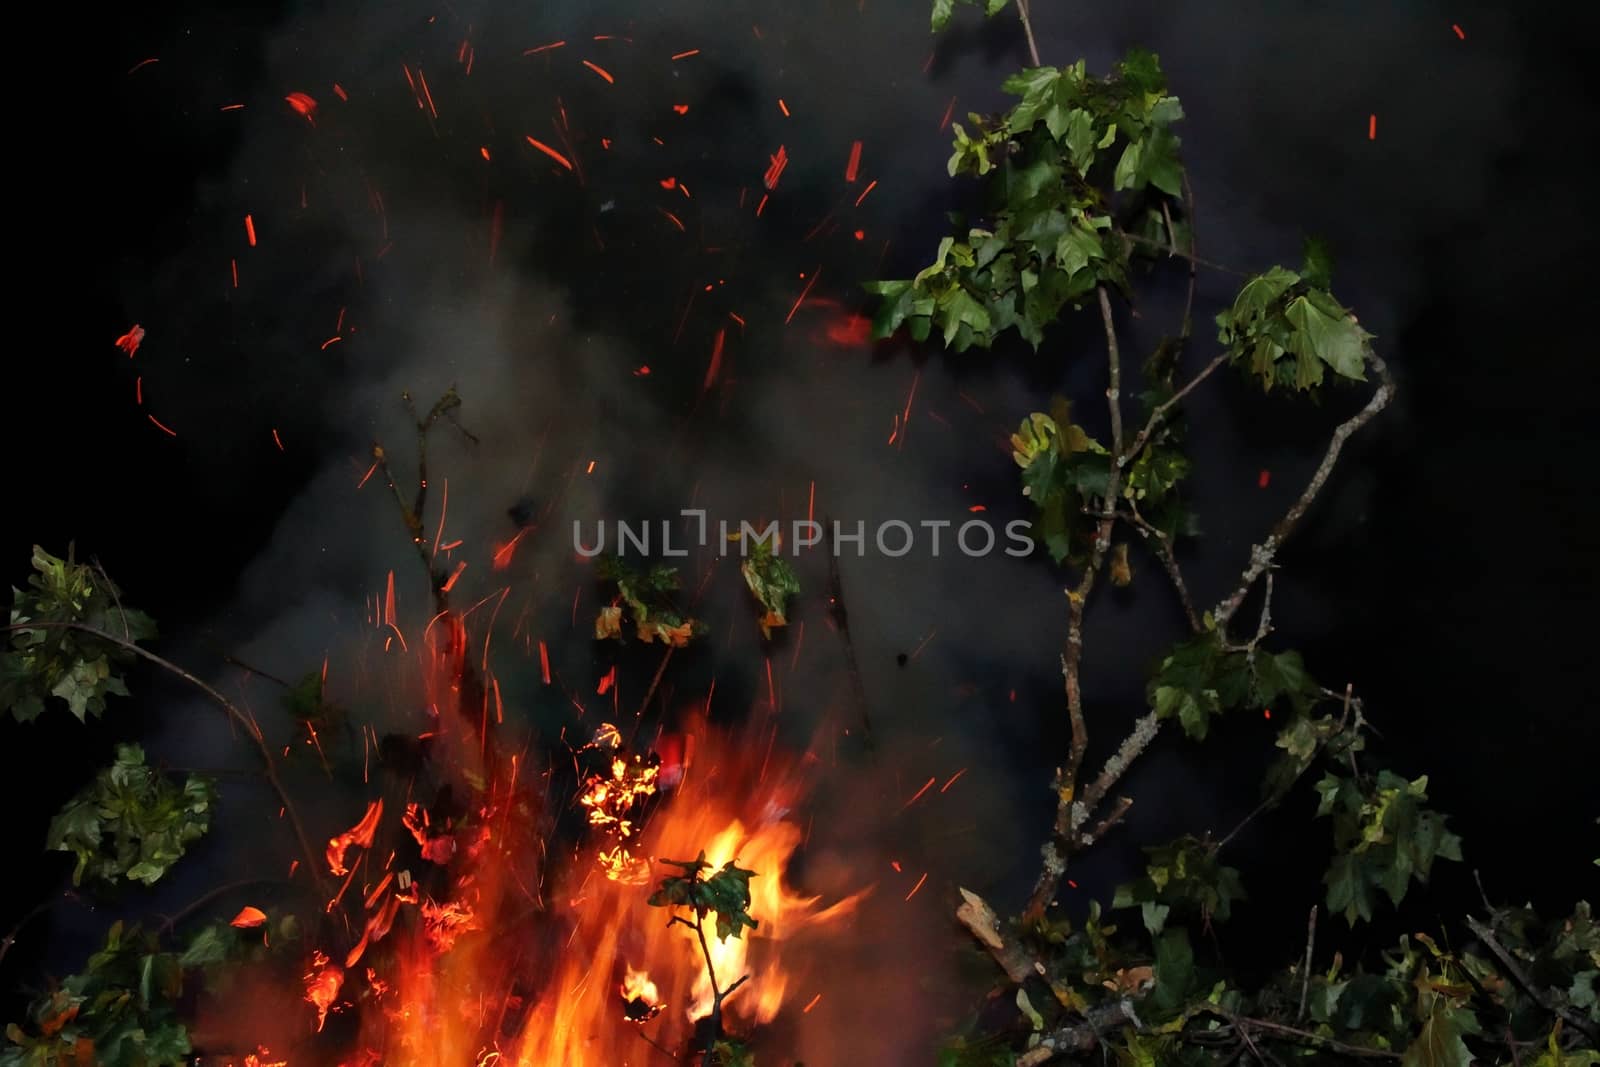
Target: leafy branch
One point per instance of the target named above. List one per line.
(724, 894)
(70, 627)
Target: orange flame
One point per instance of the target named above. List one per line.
(472, 986)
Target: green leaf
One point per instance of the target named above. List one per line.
(55, 662)
(1318, 266)
(773, 581)
(130, 823)
(1337, 341)
(1439, 1044)
(942, 10)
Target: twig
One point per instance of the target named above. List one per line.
(1165, 246)
(654, 683)
(1240, 1022)
(257, 671)
(33, 913)
(1142, 438)
(1305, 978)
(841, 621)
(239, 718)
(659, 1048)
(1144, 731)
(1261, 555)
(1509, 962)
(1027, 29)
(1066, 781)
(981, 922)
(1169, 561)
(111, 587)
(1105, 824)
(1194, 265)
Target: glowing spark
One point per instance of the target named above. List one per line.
(304, 105)
(250, 230)
(873, 184)
(545, 48)
(783, 107)
(130, 341)
(952, 780)
(248, 918)
(143, 63)
(682, 109)
(918, 886)
(853, 168)
(551, 152)
(484, 151)
(716, 360)
(1459, 31)
(809, 283)
(1372, 127)
(591, 467)
(1263, 479)
(947, 112)
(276, 439)
(775, 169)
(544, 662)
(328, 342)
(232, 107)
(338, 90)
(234, 263)
(600, 71)
(675, 220)
(811, 1004)
(686, 55)
(861, 235)
(918, 795)
(163, 429)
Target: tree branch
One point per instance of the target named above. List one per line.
(1262, 555)
(1065, 785)
(1169, 561)
(1027, 29)
(1483, 931)
(1142, 438)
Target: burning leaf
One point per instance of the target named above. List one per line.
(608, 623)
(323, 983)
(360, 835)
(641, 999)
(248, 918)
(773, 581)
(648, 597)
(1121, 573)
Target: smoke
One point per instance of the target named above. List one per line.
(542, 294)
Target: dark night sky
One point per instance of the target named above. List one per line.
(1443, 572)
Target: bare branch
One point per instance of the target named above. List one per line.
(1169, 561)
(1305, 976)
(981, 921)
(1160, 413)
(1027, 29)
(1262, 555)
